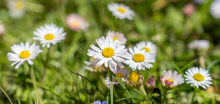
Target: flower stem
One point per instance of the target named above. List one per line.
(202, 62)
(34, 83)
(111, 85)
(164, 96)
(194, 92)
(6, 95)
(142, 89)
(45, 65)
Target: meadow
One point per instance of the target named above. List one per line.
(109, 52)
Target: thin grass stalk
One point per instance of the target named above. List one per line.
(111, 86)
(194, 93)
(45, 65)
(6, 95)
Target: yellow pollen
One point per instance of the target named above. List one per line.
(146, 49)
(121, 9)
(119, 75)
(49, 36)
(138, 57)
(170, 80)
(198, 77)
(19, 5)
(108, 52)
(134, 77)
(24, 54)
(75, 24)
(114, 39)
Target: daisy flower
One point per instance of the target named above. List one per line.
(121, 11)
(199, 44)
(139, 59)
(16, 8)
(215, 9)
(198, 77)
(23, 52)
(147, 46)
(117, 35)
(76, 22)
(121, 73)
(110, 53)
(89, 67)
(170, 80)
(49, 34)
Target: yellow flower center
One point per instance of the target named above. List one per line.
(24, 54)
(198, 77)
(119, 75)
(146, 49)
(138, 57)
(114, 39)
(49, 36)
(134, 77)
(170, 80)
(75, 24)
(121, 9)
(19, 5)
(108, 52)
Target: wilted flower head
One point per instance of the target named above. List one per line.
(215, 9)
(199, 44)
(76, 22)
(198, 77)
(117, 35)
(121, 11)
(2, 29)
(16, 8)
(99, 102)
(189, 9)
(170, 80)
(136, 79)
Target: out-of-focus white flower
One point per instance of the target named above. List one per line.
(198, 77)
(2, 29)
(170, 80)
(76, 22)
(23, 52)
(110, 53)
(121, 73)
(117, 35)
(49, 34)
(121, 11)
(199, 44)
(198, 1)
(16, 8)
(147, 46)
(215, 9)
(139, 59)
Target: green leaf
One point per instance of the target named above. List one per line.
(212, 64)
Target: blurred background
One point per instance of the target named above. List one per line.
(170, 24)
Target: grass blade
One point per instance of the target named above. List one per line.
(212, 64)
(6, 95)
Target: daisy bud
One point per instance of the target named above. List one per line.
(136, 79)
(150, 84)
(155, 95)
(189, 9)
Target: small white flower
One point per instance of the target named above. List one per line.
(170, 79)
(110, 53)
(76, 22)
(199, 44)
(49, 34)
(147, 46)
(139, 59)
(198, 77)
(117, 35)
(16, 8)
(121, 11)
(89, 67)
(121, 73)
(215, 9)
(23, 52)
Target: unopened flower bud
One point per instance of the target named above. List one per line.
(150, 84)
(155, 95)
(2, 30)
(189, 9)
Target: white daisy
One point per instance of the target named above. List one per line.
(139, 59)
(198, 77)
(16, 8)
(215, 9)
(117, 35)
(147, 46)
(89, 67)
(49, 34)
(110, 53)
(76, 22)
(121, 11)
(199, 44)
(23, 52)
(121, 73)
(170, 80)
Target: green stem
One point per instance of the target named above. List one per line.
(143, 90)
(45, 65)
(6, 95)
(34, 83)
(111, 85)
(194, 92)
(164, 96)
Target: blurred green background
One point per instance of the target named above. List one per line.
(160, 21)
